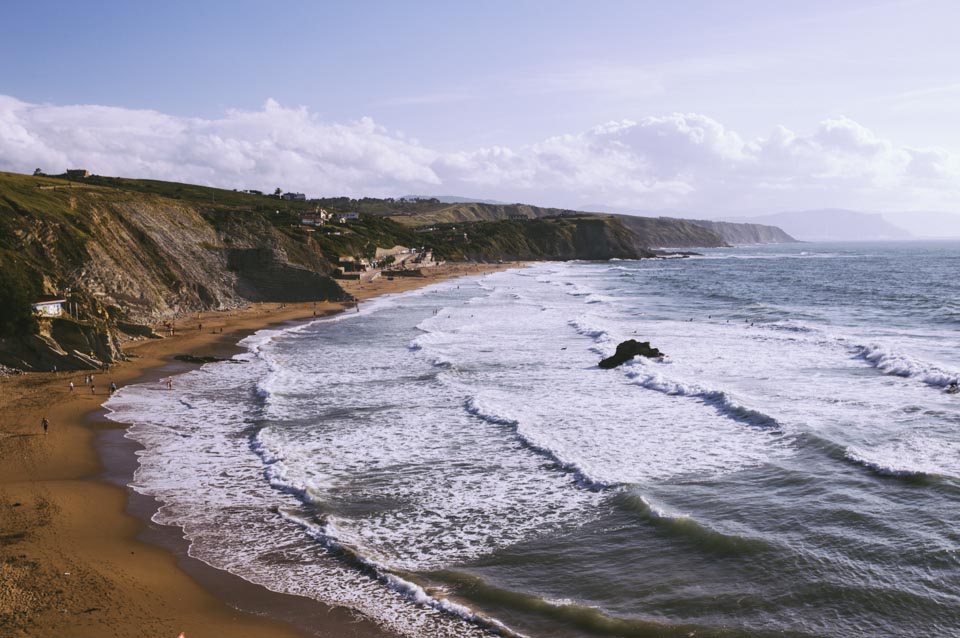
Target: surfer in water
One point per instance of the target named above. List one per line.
(953, 388)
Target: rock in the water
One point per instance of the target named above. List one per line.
(629, 349)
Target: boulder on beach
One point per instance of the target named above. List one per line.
(629, 349)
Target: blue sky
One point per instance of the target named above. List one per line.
(478, 98)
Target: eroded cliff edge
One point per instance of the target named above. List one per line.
(123, 260)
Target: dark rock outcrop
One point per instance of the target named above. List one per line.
(62, 344)
(629, 349)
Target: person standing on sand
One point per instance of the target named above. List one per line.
(93, 389)
(71, 386)
(45, 424)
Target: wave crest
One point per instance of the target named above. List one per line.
(903, 365)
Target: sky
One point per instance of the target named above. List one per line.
(698, 108)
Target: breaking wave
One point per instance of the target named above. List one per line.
(898, 364)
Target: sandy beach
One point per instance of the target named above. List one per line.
(77, 555)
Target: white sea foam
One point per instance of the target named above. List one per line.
(199, 465)
(659, 511)
(646, 375)
(327, 536)
(347, 456)
(913, 454)
(890, 361)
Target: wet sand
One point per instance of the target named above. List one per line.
(78, 554)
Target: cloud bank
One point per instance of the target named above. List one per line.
(678, 162)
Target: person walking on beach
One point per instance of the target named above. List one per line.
(45, 424)
(71, 387)
(93, 389)
(113, 387)
(170, 384)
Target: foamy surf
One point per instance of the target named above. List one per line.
(445, 464)
(644, 375)
(895, 363)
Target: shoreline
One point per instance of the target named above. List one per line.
(79, 554)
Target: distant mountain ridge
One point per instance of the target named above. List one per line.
(927, 224)
(832, 224)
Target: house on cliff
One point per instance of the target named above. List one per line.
(48, 306)
(317, 218)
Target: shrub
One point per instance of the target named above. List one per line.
(17, 292)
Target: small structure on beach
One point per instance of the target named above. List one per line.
(48, 306)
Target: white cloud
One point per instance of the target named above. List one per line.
(281, 146)
(679, 161)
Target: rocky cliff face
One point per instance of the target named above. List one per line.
(125, 258)
(662, 232)
(587, 237)
(743, 233)
(651, 232)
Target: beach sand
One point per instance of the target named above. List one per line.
(78, 556)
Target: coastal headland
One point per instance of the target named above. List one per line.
(73, 559)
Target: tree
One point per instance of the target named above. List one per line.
(38, 172)
(277, 192)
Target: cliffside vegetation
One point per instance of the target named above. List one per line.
(584, 237)
(17, 291)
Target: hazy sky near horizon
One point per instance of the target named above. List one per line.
(696, 107)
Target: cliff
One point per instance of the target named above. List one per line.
(743, 233)
(651, 231)
(123, 258)
(586, 237)
(663, 232)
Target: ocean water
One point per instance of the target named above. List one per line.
(452, 462)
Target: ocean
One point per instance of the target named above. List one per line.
(452, 462)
